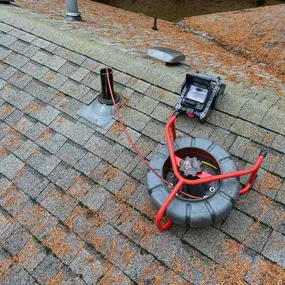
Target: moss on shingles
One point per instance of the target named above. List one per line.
(36, 239)
(48, 250)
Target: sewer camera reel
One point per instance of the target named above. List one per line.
(200, 180)
(193, 181)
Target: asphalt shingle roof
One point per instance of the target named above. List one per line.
(74, 207)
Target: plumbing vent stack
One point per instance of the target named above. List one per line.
(72, 12)
(100, 112)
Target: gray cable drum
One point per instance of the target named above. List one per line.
(196, 213)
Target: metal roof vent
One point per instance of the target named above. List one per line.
(166, 55)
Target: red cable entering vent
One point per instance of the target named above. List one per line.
(129, 137)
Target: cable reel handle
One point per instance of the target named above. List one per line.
(253, 174)
(162, 228)
(159, 216)
(207, 77)
(164, 206)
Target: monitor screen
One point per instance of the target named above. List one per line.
(197, 94)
